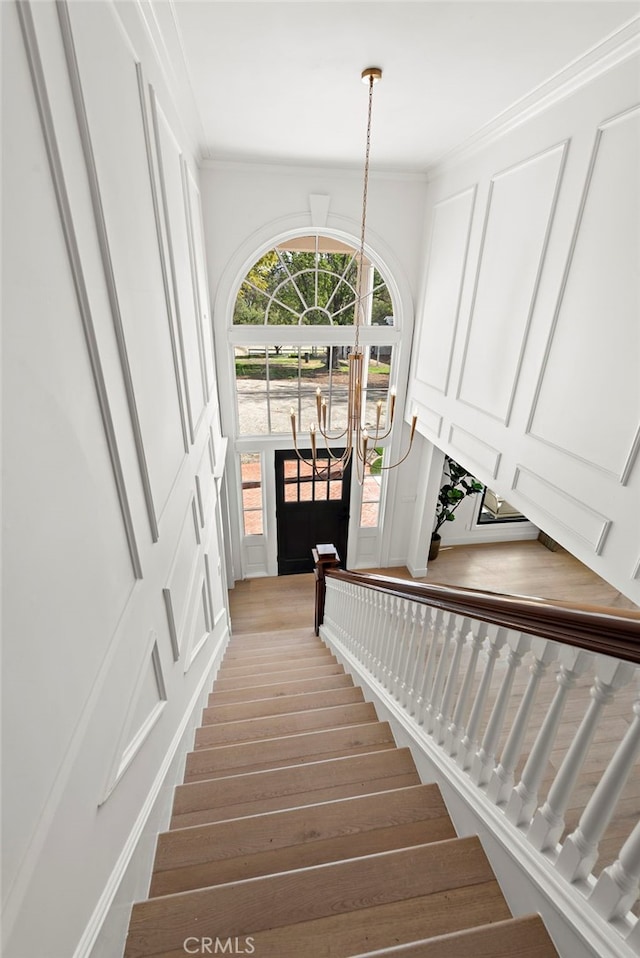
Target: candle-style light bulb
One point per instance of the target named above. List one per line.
(293, 423)
(414, 423)
(318, 402)
(392, 393)
(365, 442)
(378, 413)
(323, 410)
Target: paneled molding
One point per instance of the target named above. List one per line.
(571, 304)
(171, 319)
(195, 231)
(105, 252)
(446, 270)
(201, 621)
(430, 419)
(132, 739)
(180, 579)
(25, 16)
(160, 124)
(474, 450)
(577, 518)
(518, 218)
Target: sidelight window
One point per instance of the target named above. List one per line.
(252, 502)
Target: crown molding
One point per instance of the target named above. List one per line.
(599, 59)
(292, 169)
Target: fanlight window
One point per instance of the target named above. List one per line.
(311, 281)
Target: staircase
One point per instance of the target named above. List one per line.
(301, 831)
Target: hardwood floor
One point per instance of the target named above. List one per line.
(525, 568)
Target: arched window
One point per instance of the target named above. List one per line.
(311, 281)
(292, 331)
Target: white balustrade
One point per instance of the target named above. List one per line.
(616, 889)
(485, 758)
(455, 731)
(548, 823)
(502, 778)
(461, 631)
(433, 707)
(524, 797)
(429, 660)
(468, 743)
(580, 849)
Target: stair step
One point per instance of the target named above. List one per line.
(297, 838)
(325, 698)
(524, 937)
(279, 636)
(256, 792)
(248, 681)
(289, 750)
(280, 688)
(420, 882)
(241, 652)
(277, 664)
(265, 656)
(276, 726)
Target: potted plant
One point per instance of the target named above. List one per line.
(460, 485)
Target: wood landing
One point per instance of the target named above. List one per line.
(301, 829)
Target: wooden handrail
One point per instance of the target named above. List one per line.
(595, 628)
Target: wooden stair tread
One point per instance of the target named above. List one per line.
(298, 838)
(246, 639)
(255, 792)
(291, 723)
(277, 664)
(281, 704)
(288, 750)
(160, 925)
(524, 937)
(234, 651)
(247, 681)
(275, 689)
(263, 657)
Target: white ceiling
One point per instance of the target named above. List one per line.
(279, 82)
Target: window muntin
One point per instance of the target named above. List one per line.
(311, 281)
(371, 492)
(252, 507)
(273, 380)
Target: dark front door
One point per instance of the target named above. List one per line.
(311, 508)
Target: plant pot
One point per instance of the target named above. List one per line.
(434, 548)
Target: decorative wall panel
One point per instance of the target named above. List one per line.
(199, 274)
(123, 202)
(575, 516)
(447, 259)
(597, 331)
(518, 218)
(474, 451)
(147, 703)
(175, 216)
(178, 587)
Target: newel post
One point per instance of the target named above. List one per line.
(325, 557)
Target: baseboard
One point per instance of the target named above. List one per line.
(101, 940)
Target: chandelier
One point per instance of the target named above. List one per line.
(360, 440)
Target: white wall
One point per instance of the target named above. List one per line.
(248, 208)
(114, 602)
(527, 358)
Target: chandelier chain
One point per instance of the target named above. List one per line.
(363, 223)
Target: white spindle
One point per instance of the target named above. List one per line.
(502, 778)
(456, 729)
(435, 702)
(524, 797)
(381, 626)
(419, 666)
(459, 638)
(484, 760)
(432, 630)
(468, 743)
(616, 889)
(580, 849)
(548, 823)
(408, 670)
(398, 644)
(387, 641)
